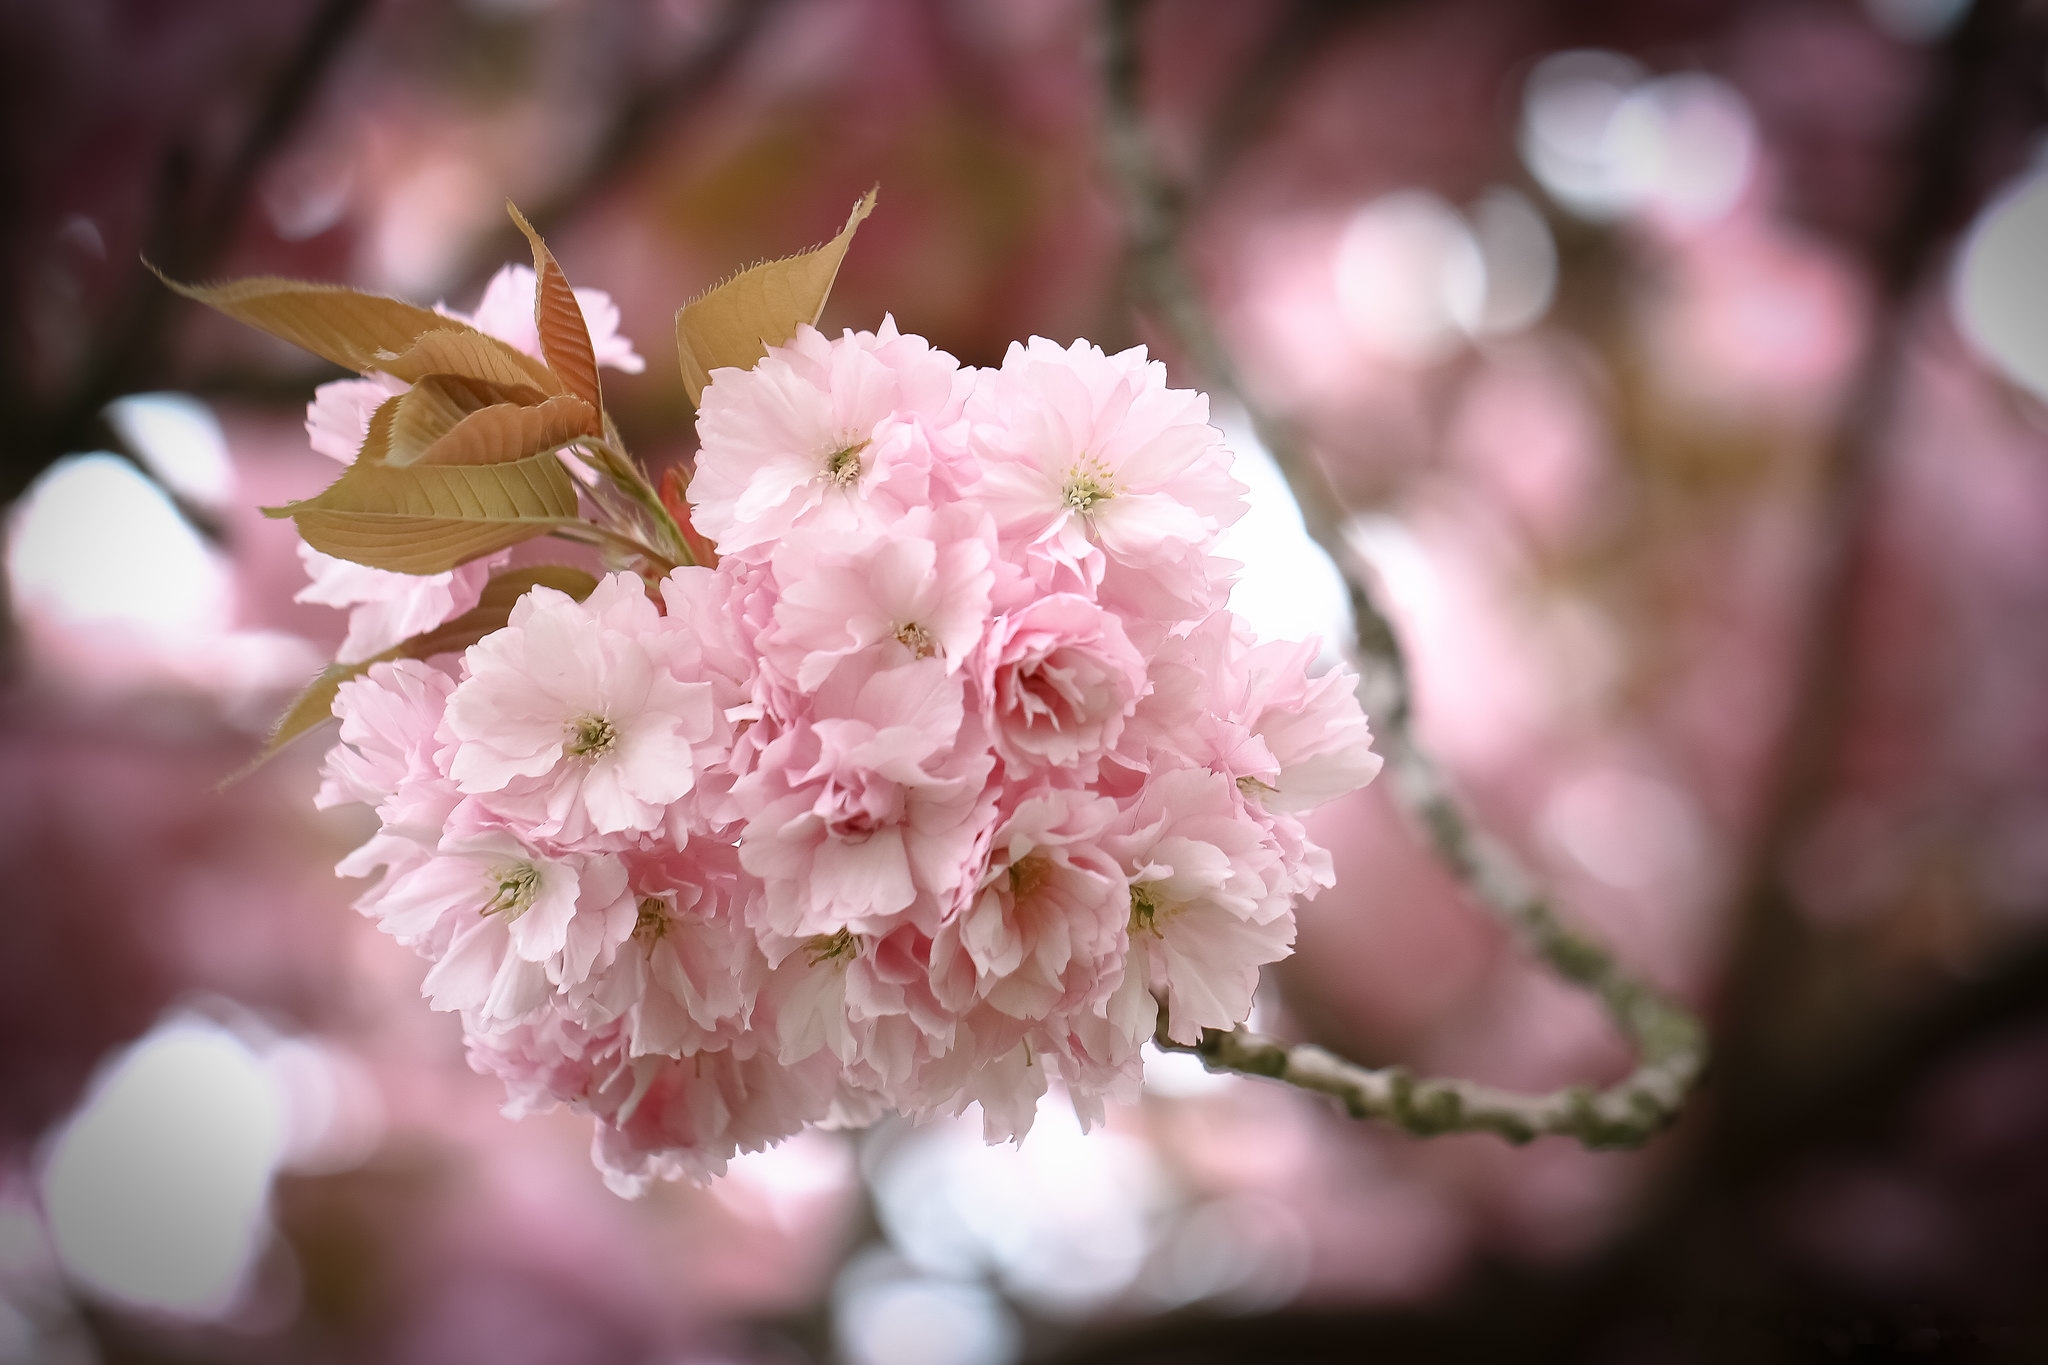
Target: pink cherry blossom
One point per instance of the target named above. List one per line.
(658, 1118)
(947, 778)
(822, 433)
(919, 590)
(1092, 465)
(507, 925)
(338, 418)
(1044, 930)
(687, 979)
(1057, 679)
(570, 719)
(1207, 908)
(390, 608)
(868, 806)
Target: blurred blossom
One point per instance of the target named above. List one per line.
(1684, 145)
(1629, 831)
(1916, 21)
(39, 1323)
(798, 1185)
(1607, 143)
(112, 584)
(157, 1189)
(180, 441)
(1529, 431)
(1755, 322)
(2000, 287)
(83, 235)
(1063, 1219)
(1520, 259)
(94, 543)
(306, 195)
(1410, 276)
(426, 219)
(334, 1113)
(1568, 111)
(1288, 588)
(1243, 1253)
(884, 1313)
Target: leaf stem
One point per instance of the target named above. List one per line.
(624, 471)
(584, 532)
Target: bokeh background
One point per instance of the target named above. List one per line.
(1684, 366)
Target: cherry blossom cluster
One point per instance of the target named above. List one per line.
(953, 779)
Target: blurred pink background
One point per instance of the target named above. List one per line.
(1686, 368)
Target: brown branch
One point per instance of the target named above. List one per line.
(1669, 1041)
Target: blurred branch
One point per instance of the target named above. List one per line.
(1669, 1042)
(1778, 954)
(634, 123)
(186, 236)
(1265, 81)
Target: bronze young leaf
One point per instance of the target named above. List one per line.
(459, 350)
(429, 518)
(734, 323)
(347, 326)
(564, 336)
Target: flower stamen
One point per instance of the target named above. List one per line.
(1145, 909)
(591, 736)
(917, 640)
(651, 925)
(1027, 874)
(821, 948)
(518, 884)
(1087, 485)
(842, 466)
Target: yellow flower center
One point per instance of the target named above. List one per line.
(842, 466)
(1145, 908)
(1088, 484)
(831, 947)
(517, 887)
(590, 736)
(917, 639)
(651, 925)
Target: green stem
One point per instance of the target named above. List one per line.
(584, 532)
(624, 471)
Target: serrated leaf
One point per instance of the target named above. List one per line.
(429, 518)
(452, 348)
(493, 608)
(564, 335)
(441, 420)
(503, 432)
(431, 408)
(347, 326)
(378, 440)
(734, 323)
